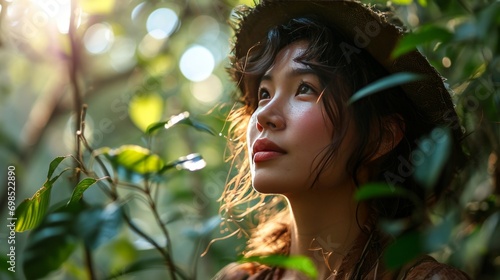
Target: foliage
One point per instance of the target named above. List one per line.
(154, 217)
(460, 38)
(299, 263)
(59, 231)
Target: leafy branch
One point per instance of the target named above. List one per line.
(95, 226)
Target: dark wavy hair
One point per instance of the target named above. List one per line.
(341, 75)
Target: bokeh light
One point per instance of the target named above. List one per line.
(162, 23)
(207, 91)
(136, 11)
(122, 54)
(446, 62)
(206, 29)
(197, 63)
(98, 38)
(149, 46)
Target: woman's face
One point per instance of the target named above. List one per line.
(289, 132)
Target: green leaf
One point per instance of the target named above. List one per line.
(5, 265)
(135, 158)
(425, 34)
(423, 3)
(174, 120)
(488, 20)
(140, 265)
(80, 189)
(430, 157)
(53, 165)
(402, 2)
(51, 243)
(385, 83)
(404, 249)
(182, 118)
(466, 31)
(376, 190)
(118, 253)
(31, 211)
(299, 263)
(98, 225)
(145, 109)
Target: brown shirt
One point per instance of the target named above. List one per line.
(425, 268)
(362, 261)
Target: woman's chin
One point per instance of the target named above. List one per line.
(267, 189)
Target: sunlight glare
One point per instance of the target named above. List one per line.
(191, 162)
(58, 12)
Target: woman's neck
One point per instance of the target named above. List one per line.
(324, 225)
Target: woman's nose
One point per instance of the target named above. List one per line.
(271, 117)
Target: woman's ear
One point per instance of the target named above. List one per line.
(393, 129)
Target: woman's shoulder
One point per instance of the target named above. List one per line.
(232, 271)
(429, 268)
(243, 271)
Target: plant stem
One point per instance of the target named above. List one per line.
(164, 254)
(167, 256)
(147, 192)
(73, 76)
(80, 111)
(81, 167)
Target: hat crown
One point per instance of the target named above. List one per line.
(353, 19)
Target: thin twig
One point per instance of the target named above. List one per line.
(73, 77)
(144, 235)
(80, 111)
(150, 201)
(150, 194)
(163, 228)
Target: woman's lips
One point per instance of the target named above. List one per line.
(264, 156)
(265, 149)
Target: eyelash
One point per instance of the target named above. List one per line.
(309, 87)
(263, 90)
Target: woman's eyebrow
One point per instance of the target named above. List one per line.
(299, 71)
(296, 71)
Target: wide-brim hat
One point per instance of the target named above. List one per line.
(429, 95)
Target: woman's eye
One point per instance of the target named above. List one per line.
(263, 94)
(305, 89)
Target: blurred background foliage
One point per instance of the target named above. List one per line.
(137, 62)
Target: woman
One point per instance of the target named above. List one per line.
(308, 148)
